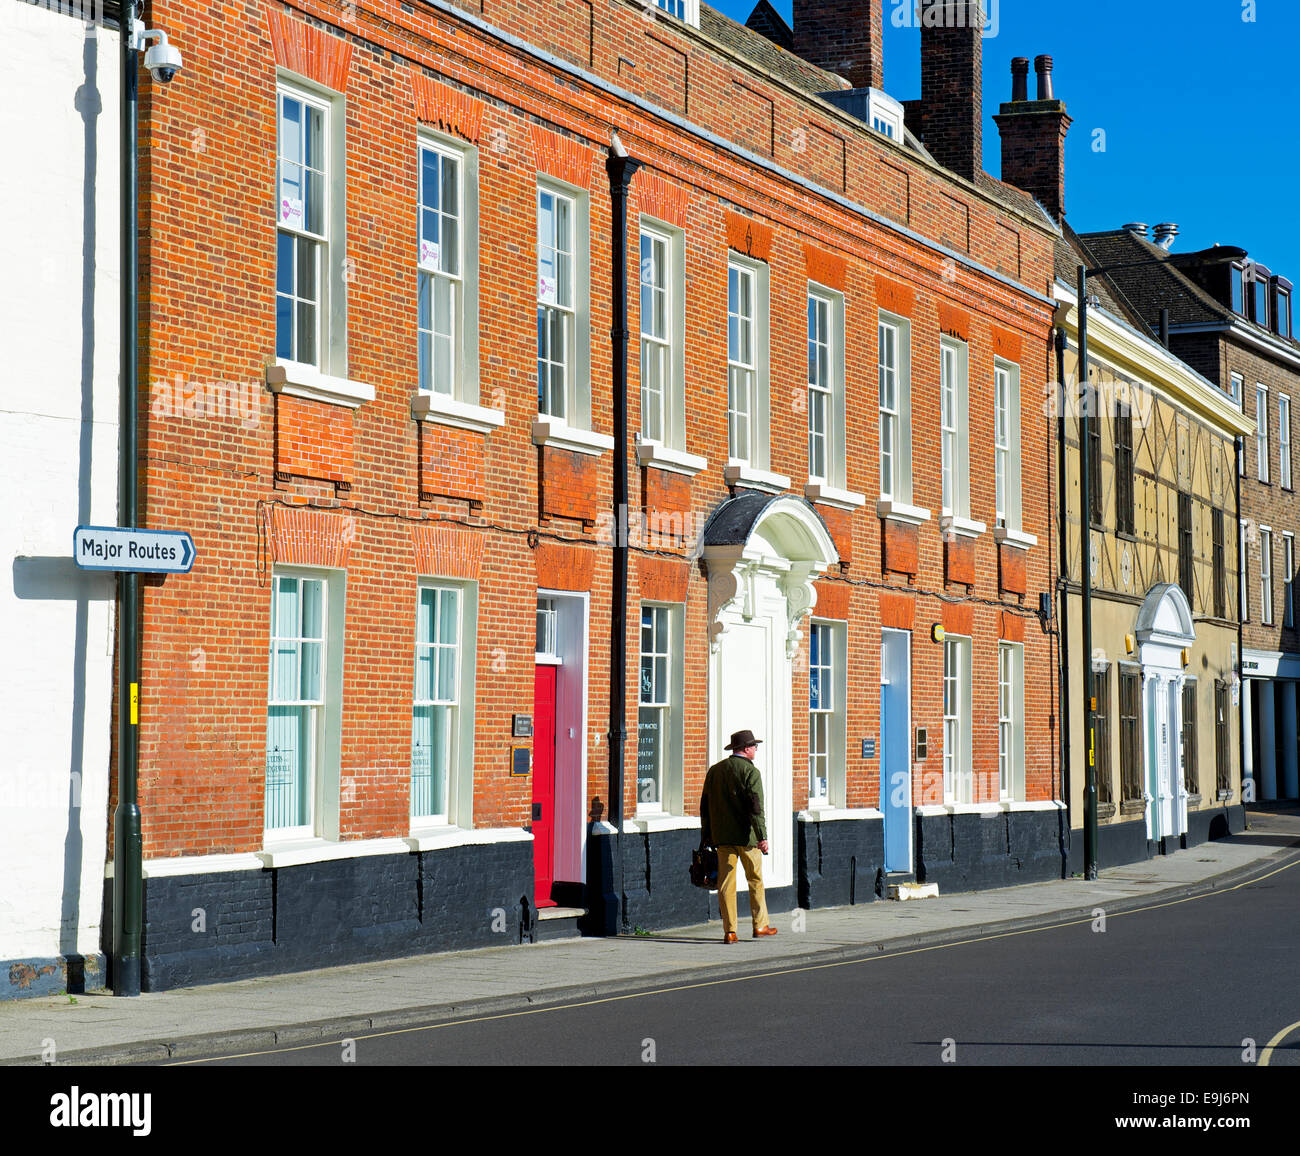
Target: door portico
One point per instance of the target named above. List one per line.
(762, 555)
(1164, 631)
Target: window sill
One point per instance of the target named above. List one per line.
(436, 838)
(829, 814)
(1017, 539)
(439, 409)
(830, 496)
(659, 456)
(988, 808)
(644, 824)
(897, 511)
(298, 380)
(738, 473)
(959, 527)
(291, 854)
(555, 434)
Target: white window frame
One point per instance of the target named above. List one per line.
(319, 780)
(463, 385)
(299, 236)
(437, 700)
(751, 372)
(1011, 721)
(330, 327)
(575, 405)
(827, 394)
(672, 410)
(897, 486)
(1006, 445)
(826, 722)
(958, 780)
(687, 11)
(1284, 440)
(954, 437)
(547, 644)
(1261, 431)
(668, 699)
(1237, 386)
(1242, 583)
(1288, 579)
(1266, 575)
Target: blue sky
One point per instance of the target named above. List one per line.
(1197, 99)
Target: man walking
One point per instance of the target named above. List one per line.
(731, 819)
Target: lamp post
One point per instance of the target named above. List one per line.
(163, 62)
(1219, 254)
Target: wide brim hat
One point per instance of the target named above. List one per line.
(740, 740)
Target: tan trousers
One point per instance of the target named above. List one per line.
(751, 858)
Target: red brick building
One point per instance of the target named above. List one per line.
(380, 335)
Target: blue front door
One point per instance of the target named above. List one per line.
(895, 763)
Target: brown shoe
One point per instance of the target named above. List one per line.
(764, 931)
(730, 937)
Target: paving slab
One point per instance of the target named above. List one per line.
(270, 1011)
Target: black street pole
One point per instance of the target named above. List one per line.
(127, 837)
(1085, 558)
(621, 169)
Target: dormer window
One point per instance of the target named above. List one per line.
(685, 10)
(1259, 303)
(1238, 279)
(1282, 306)
(885, 114)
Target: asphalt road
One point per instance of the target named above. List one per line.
(1182, 983)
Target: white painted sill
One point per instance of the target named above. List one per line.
(196, 865)
(838, 814)
(436, 838)
(959, 527)
(551, 432)
(644, 824)
(896, 511)
(298, 380)
(1017, 539)
(738, 473)
(659, 456)
(988, 808)
(439, 409)
(323, 850)
(830, 496)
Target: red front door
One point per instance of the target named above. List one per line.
(544, 784)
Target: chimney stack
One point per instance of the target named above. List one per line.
(1033, 137)
(846, 37)
(952, 59)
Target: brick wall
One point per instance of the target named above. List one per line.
(209, 220)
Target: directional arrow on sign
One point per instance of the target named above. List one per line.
(133, 551)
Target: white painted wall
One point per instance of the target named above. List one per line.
(58, 467)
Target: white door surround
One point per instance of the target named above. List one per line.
(1164, 631)
(762, 555)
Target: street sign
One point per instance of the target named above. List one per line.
(138, 551)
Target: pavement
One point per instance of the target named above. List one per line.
(276, 1011)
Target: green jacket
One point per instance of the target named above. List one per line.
(731, 809)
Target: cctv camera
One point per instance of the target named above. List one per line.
(162, 60)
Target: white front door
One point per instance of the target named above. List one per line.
(750, 689)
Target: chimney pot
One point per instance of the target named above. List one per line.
(1137, 227)
(1043, 66)
(1019, 79)
(1166, 231)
